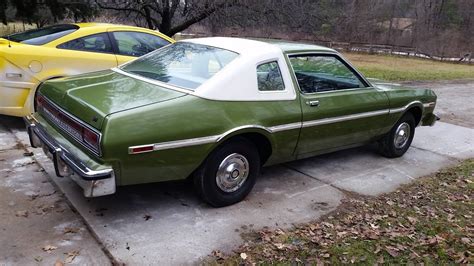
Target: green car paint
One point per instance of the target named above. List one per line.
(130, 112)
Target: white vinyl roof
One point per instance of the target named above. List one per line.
(238, 45)
(238, 80)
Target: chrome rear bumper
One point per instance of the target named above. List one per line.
(94, 182)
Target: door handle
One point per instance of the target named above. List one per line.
(314, 103)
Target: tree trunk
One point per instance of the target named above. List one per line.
(148, 19)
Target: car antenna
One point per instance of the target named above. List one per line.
(9, 42)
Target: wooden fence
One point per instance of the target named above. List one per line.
(359, 48)
(468, 58)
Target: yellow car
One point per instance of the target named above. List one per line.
(29, 58)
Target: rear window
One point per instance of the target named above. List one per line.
(186, 65)
(43, 35)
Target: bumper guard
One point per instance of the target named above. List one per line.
(94, 182)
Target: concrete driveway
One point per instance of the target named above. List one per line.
(167, 224)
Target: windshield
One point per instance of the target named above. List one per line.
(186, 65)
(43, 35)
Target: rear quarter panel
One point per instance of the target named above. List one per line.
(191, 117)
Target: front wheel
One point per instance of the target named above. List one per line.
(229, 173)
(399, 139)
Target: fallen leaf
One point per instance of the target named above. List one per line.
(243, 256)
(71, 256)
(71, 230)
(380, 260)
(412, 220)
(392, 251)
(49, 248)
(465, 240)
(218, 254)
(21, 214)
(279, 232)
(341, 234)
(377, 250)
(279, 245)
(38, 258)
(329, 225)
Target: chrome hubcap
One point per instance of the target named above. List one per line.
(232, 172)
(402, 135)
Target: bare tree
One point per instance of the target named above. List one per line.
(169, 16)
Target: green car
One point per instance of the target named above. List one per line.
(216, 110)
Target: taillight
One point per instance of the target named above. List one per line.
(39, 101)
(91, 138)
(72, 126)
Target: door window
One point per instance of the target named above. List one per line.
(320, 73)
(137, 43)
(99, 43)
(269, 77)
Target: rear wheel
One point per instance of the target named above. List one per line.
(229, 173)
(399, 139)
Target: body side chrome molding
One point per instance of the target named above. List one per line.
(331, 120)
(285, 127)
(430, 104)
(274, 129)
(193, 141)
(175, 144)
(403, 108)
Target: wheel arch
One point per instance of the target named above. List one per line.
(416, 109)
(259, 136)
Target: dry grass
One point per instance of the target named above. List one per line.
(427, 222)
(397, 68)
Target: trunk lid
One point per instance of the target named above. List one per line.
(91, 97)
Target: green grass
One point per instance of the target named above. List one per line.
(398, 68)
(429, 221)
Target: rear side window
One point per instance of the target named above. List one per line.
(43, 35)
(269, 77)
(137, 43)
(98, 43)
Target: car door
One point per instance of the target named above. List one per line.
(132, 44)
(339, 107)
(85, 54)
